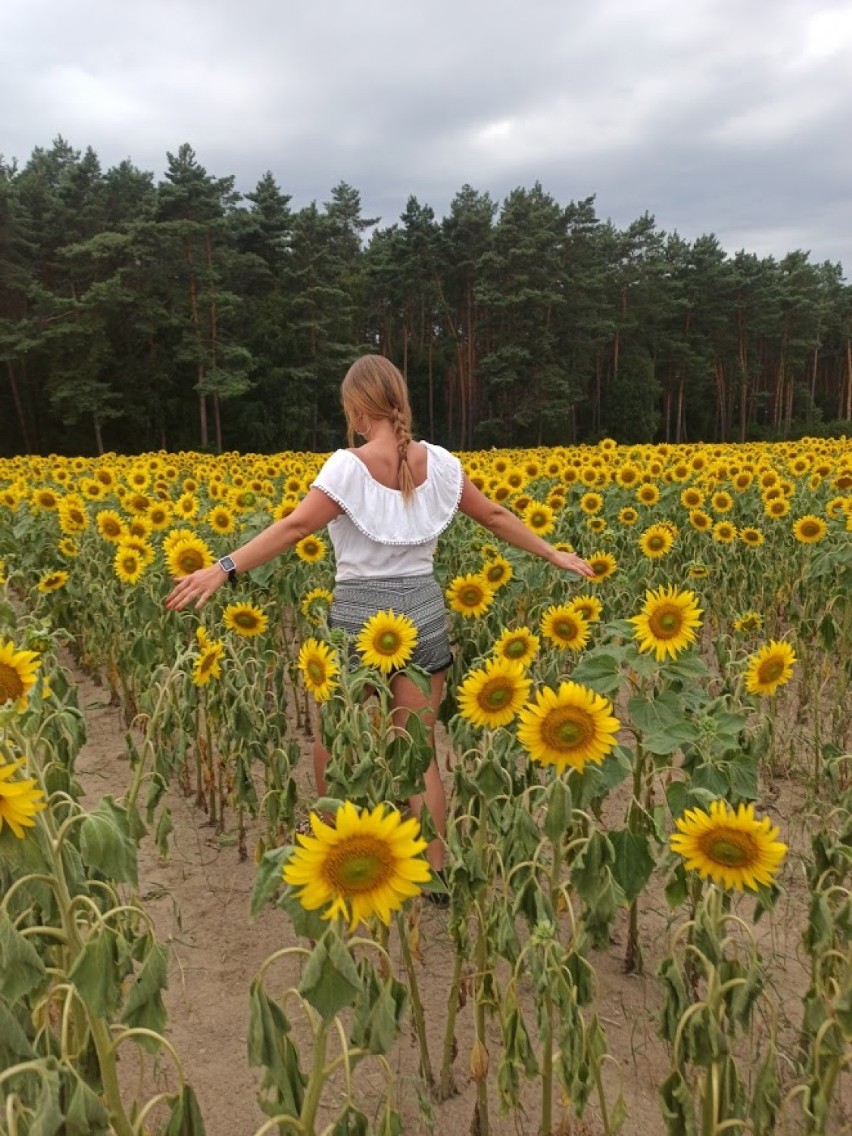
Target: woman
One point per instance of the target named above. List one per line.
(385, 505)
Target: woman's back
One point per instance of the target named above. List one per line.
(382, 462)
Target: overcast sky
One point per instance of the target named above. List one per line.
(724, 116)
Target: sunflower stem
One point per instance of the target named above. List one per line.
(633, 954)
(446, 1081)
(416, 1005)
(316, 1080)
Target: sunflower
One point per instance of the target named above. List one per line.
(692, 498)
(770, 668)
(628, 515)
(52, 581)
(648, 494)
(591, 503)
(187, 556)
(73, 517)
(539, 518)
(751, 536)
(590, 607)
(603, 564)
(311, 549)
(315, 605)
(700, 520)
(386, 641)
(207, 663)
(128, 564)
(809, 529)
(318, 666)
(779, 507)
(656, 541)
(568, 727)
(185, 507)
(470, 595)
(667, 622)
(698, 571)
(724, 532)
(159, 516)
(497, 571)
(245, 619)
(221, 519)
(17, 673)
(368, 864)
(749, 621)
(44, 499)
(19, 800)
(68, 547)
(565, 627)
(596, 525)
(722, 502)
(517, 646)
(734, 849)
(493, 695)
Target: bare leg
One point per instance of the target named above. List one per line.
(408, 699)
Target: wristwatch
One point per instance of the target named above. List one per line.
(229, 568)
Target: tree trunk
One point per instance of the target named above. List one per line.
(217, 422)
(19, 409)
(99, 440)
(196, 323)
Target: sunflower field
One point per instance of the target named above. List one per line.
(649, 781)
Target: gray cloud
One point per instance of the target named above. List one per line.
(714, 115)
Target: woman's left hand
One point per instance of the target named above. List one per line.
(571, 562)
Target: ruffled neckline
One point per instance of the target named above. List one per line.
(380, 513)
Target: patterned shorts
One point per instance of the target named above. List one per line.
(418, 597)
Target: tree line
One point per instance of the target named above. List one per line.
(181, 314)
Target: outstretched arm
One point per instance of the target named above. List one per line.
(509, 528)
(313, 512)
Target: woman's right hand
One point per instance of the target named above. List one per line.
(198, 586)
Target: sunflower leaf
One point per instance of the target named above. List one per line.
(330, 980)
(105, 843)
(21, 968)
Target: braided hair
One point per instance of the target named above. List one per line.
(375, 388)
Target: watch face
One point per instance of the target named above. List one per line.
(228, 564)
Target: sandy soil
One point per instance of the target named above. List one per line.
(199, 899)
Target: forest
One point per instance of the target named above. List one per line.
(182, 314)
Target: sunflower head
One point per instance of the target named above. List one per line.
(668, 621)
(18, 671)
(315, 604)
(369, 863)
(731, 847)
(497, 571)
(809, 529)
(387, 641)
(311, 549)
(470, 595)
(564, 626)
(603, 565)
(245, 619)
(492, 695)
(318, 665)
(771, 667)
(568, 727)
(20, 798)
(517, 646)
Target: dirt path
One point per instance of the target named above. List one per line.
(199, 899)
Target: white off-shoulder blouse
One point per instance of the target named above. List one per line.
(378, 533)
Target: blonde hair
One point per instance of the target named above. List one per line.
(374, 387)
